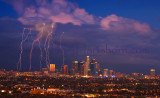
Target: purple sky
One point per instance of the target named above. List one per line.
(121, 35)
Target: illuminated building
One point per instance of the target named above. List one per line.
(45, 70)
(87, 59)
(65, 69)
(81, 69)
(152, 72)
(98, 68)
(74, 67)
(111, 72)
(85, 69)
(52, 68)
(105, 72)
(94, 68)
(86, 66)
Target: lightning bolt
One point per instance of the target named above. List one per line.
(36, 40)
(47, 44)
(24, 38)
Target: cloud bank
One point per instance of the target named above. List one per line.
(119, 24)
(59, 11)
(63, 11)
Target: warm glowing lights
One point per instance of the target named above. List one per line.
(52, 67)
(3, 91)
(152, 69)
(76, 61)
(100, 75)
(19, 88)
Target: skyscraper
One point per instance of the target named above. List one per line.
(65, 69)
(93, 67)
(105, 72)
(86, 66)
(81, 67)
(85, 69)
(98, 68)
(74, 67)
(87, 59)
(52, 68)
(152, 72)
(111, 72)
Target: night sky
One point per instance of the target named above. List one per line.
(122, 35)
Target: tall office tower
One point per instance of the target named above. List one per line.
(81, 67)
(85, 69)
(87, 59)
(86, 66)
(152, 72)
(105, 72)
(65, 69)
(93, 69)
(52, 68)
(98, 68)
(88, 62)
(111, 73)
(74, 67)
(114, 73)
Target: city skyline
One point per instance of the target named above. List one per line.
(121, 35)
(86, 68)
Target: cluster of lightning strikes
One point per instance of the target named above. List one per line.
(43, 39)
